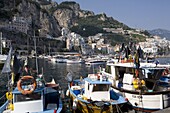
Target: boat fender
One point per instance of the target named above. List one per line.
(67, 93)
(9, 95)
(136, 83)
(10, 106)
(84, 97)
(142, 82)
(75, 102)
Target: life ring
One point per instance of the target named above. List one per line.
(26, 91)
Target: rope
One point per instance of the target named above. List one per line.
(118, 109)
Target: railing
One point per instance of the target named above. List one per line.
(2, 100)
(3, 103)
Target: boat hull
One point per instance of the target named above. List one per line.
(88, 107)
(146, 101)
(84, 106)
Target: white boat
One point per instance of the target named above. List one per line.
(93, 94)
(31, 95)
(61, 59)
(94, 61)
(145, 88)
(74, 60)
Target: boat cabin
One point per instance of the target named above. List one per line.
(122, 75)
(34, 102)
(97, 90)
(42, 99)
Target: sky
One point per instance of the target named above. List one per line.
(140, 14)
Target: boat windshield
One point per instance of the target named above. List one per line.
(100, 87)
(154, 73)
(21, 97)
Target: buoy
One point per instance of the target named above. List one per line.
(9, 95)
(136, 83)
(142, 82)
(84, 97)
(10, 106)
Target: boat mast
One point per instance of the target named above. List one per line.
(36, 61)
(1, 42)
(49, 49)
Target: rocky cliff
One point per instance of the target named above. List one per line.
(47, 16)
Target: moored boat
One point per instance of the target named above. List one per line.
(95, 61)
(29, 94)
(145, 87)
(93, 94)
(74, 60)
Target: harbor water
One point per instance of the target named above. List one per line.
(58, 71)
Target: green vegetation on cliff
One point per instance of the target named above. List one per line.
(92, 25)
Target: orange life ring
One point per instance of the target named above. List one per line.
(28, 91)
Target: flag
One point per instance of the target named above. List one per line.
(7, 66)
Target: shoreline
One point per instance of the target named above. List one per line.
(163, 56)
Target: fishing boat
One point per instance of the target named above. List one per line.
(29, 94)
(146, 87)
(93, 94)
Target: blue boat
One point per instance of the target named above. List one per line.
(94, 95)
(30, 95)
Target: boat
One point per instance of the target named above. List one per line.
(93, 94)
(29, 94)
(94, 61)
(74, 60)
(61, 59)
(146, 88)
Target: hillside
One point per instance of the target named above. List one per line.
(160, 32)
(50, 17)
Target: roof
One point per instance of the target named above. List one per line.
(39, 89)
(96, 81)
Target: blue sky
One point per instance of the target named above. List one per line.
(142, 14)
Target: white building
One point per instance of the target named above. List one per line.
(6, 43)
(153, 49)
(18, 24)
